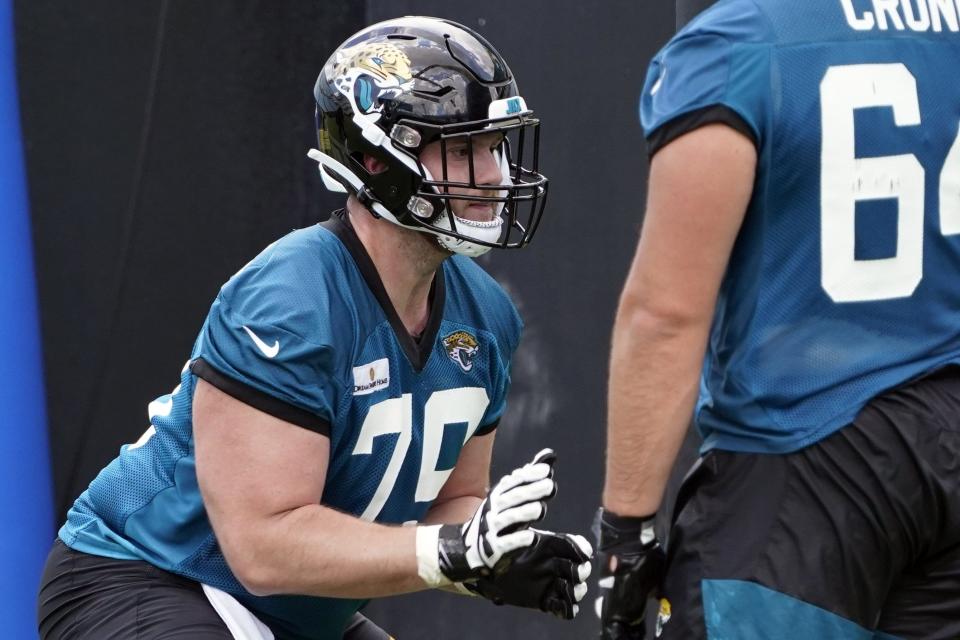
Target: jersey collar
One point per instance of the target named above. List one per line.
(417, 350)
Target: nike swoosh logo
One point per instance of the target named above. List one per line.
(265, 349)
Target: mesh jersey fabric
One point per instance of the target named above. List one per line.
(844, 280)
(325, 345)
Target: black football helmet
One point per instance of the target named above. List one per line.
(397, 86)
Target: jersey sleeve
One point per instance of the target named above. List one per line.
(266, 343)
(717, 69)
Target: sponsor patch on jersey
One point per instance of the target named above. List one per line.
(462, 347)
(371, 377)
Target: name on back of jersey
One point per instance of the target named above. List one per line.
(901, 15)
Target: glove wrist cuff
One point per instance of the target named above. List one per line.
(428, 557)
(624, 523)
(451, 553)
(615, 530)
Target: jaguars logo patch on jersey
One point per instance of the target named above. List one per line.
(462, 347)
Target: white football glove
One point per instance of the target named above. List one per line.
(455, 553)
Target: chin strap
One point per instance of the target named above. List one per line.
(463, 247)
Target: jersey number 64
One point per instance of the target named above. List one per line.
(846, 179)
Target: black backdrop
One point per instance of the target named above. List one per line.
(165, 145)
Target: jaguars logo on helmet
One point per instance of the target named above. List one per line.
(462, 348)
(370, 73)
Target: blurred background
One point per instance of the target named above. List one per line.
(164, 145)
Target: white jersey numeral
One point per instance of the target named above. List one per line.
(395, 415)
(390, 416)
(950, 191)
(846, 179)
(466, 404)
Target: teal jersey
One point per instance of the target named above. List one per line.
(845, 279)
(305, 332)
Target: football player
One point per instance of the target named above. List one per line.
(797, 286)
(348, 381)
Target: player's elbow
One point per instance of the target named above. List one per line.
(257, 580)
(660, 316)
(246, 562)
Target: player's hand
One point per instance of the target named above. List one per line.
(550, 575)
(631, 566)
(500, 524)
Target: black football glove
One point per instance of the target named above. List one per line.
(550, 575)
(631, 566)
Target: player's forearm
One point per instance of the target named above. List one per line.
(654, 376)
(453, 511)
(315, 550)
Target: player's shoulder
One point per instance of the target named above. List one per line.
(296, 283)
(717, 68)
(743, 21)
(304, 258)
(477, 298)
(771, 22)
(301, 248)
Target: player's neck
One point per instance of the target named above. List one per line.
(406, 262)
